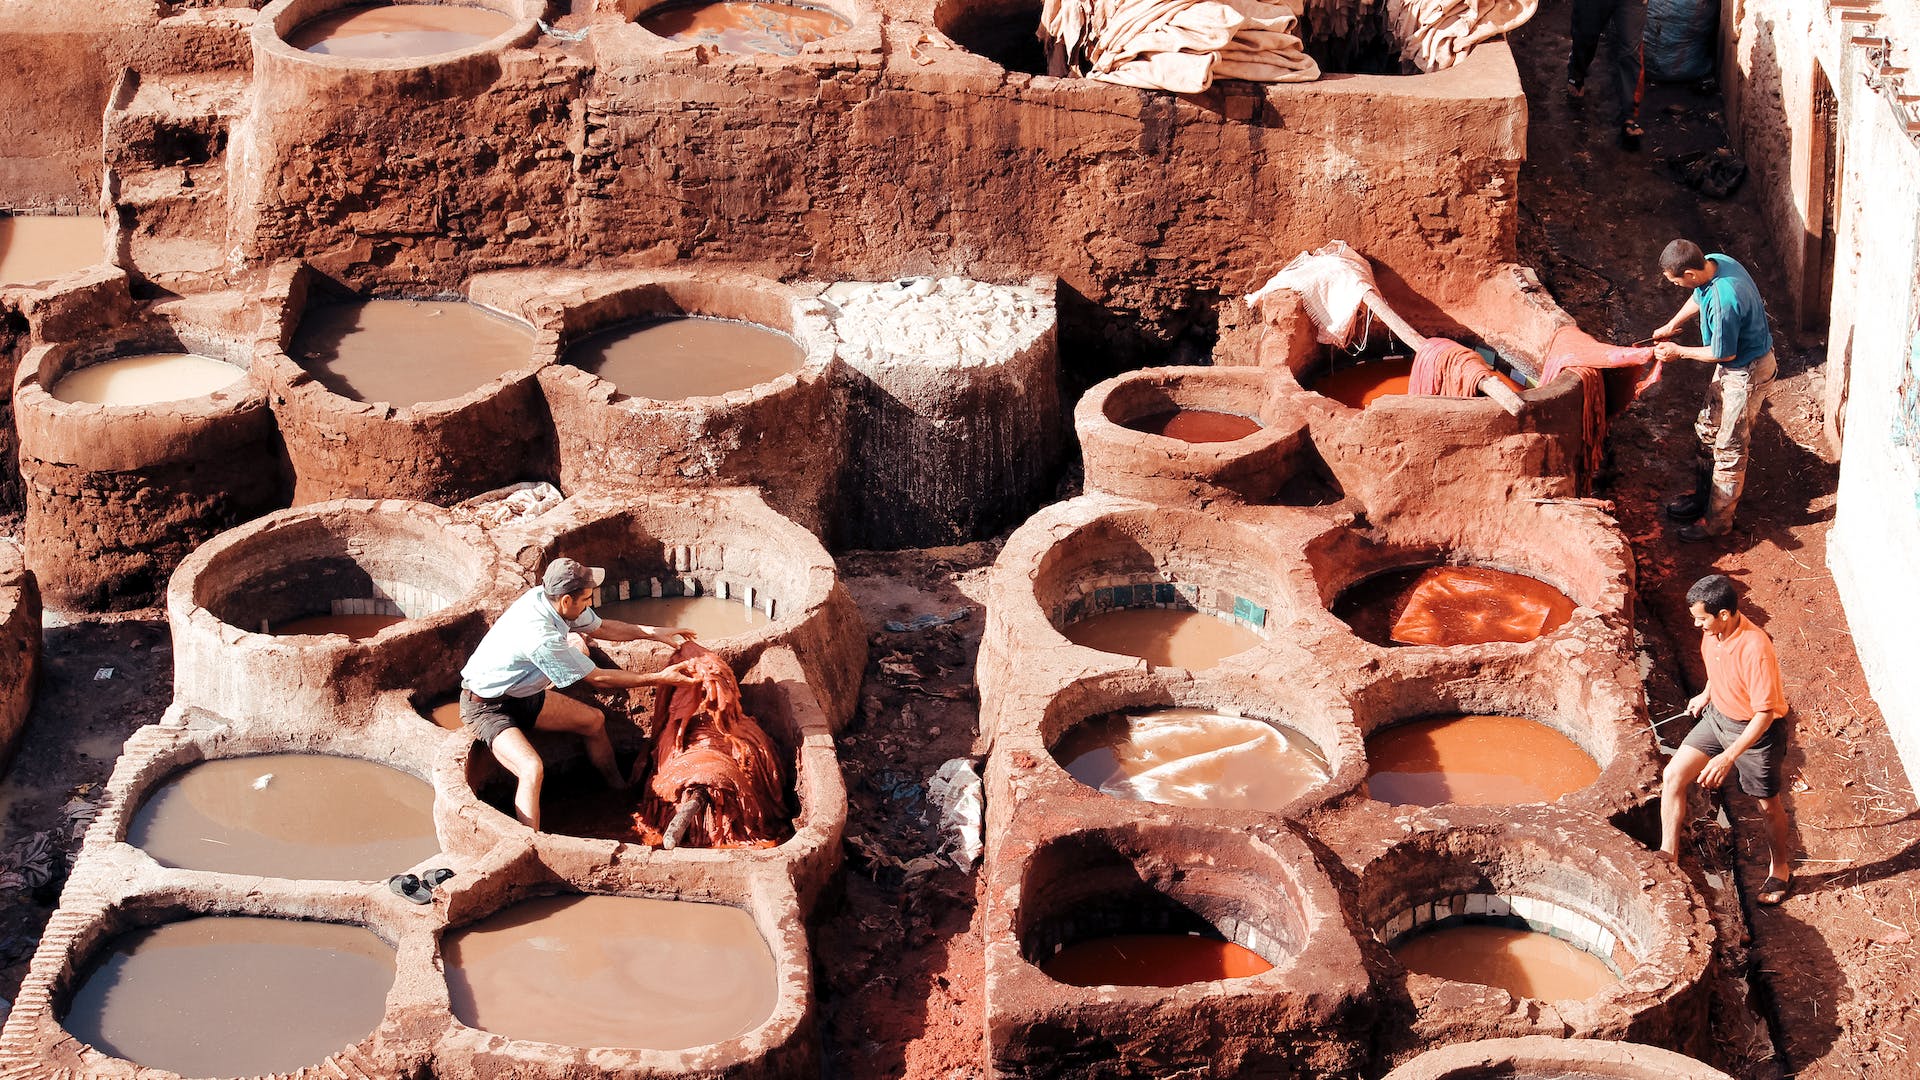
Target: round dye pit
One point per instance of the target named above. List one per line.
(398, 31)
(146, 379)
(1451, 605)
(742, 26)
(1192, 757)
(1359, 385)
(290, 816)
(1523, 962)
(1196, 425)
(37, 248)
(1544, 1057)
(673, 359)
(1164, 637)
(233, 996)
(709, 617)
(1093, 914)
(613, 971)
(1152, 960)
(408, 352)
(1474, 760)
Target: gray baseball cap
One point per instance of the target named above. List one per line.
(564, 577)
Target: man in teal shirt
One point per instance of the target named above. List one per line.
(1735, 339)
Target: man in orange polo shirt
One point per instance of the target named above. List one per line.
(1739, 729)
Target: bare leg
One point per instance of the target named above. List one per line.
(1779, 858)
(512, 750)
(1681, 772)
(562, 713)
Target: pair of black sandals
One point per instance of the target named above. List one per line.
(418, 888)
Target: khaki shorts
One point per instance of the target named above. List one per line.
(1760, 767)
(488, 717)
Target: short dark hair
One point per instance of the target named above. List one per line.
(1715, 593)
(1682, 255)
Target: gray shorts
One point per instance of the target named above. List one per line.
(488, 717)
(1760, 767)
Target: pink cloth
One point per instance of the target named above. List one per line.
(1443, 368)
(1575, 351)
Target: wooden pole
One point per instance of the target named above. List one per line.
(1500, 393)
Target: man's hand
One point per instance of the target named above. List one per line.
(680, 674)
(1665, 333)
(1697, 704)
(667, 634)
(1666, 350)
(1716, 771)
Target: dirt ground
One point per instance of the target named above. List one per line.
(898, 960)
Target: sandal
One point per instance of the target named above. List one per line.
(1774, 891)
(1630, 133)
(410, 887)
(435, 878)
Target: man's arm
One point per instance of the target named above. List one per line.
(1722, 763)
(601, 678)
(615, 630)
(1685, 315)
(1667, 350)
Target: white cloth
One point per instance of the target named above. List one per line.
(1333, 284)
(1178, 45)
(1436, 34)
(527, 650)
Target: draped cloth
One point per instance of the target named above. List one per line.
(1178, 45)
(702, 739)
(1437, 34)
(1332, 283)
(1574, 351)
(1443, 368)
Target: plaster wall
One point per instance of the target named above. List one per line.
(1777, 52)
(1877, 526)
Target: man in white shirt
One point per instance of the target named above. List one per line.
(503, 688)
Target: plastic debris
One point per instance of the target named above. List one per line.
(961, 799)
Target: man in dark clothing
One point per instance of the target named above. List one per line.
(1621, 22)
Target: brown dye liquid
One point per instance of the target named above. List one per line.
(404, 352)
(1475, 760)
(613, 971)
(37, 248)
(447, 715)
(674, 359)
(1451, 605)
(1192, 757)
(709, 617)
(147, 379)
(398, 31)
(1365, 383)
(233, 996)
(1152, 960)
(736, 27)
(1196, 425)
(290, 816)
(1522, 962)
(357, 627)
(1163, 637)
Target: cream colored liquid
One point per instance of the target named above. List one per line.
(233, 996)
(404, 352)
(1475, 760)
(291, 816)
(147, 379)
(745, 27)
(1163, 637)
(674, 359)
(709, 617)
(1522, 962)
(357, 627)
(398, 31)
(613, 971)
(37, 248)
(1192, 757)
